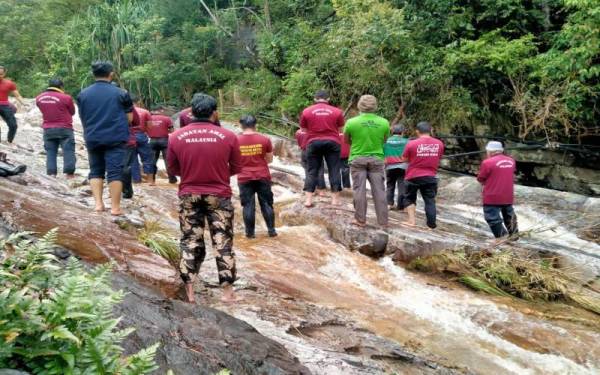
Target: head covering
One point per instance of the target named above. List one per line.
(494, 146)
(367, 103)
(398, 129)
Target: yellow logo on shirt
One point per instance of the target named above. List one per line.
(251, 150)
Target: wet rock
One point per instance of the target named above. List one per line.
(12, 372)
(196, 339)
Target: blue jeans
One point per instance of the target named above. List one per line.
(7, 113)
(53, 138)
(501, 219)
(107, 161)
(143, 152)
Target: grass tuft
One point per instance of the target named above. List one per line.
(160, 241)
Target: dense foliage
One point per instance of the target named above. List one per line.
(528, 69)
(59, 320)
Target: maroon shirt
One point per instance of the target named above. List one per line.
(205, 156)
(345, 151)
(144, 117)
(301, 137)
(254, 148)
(57, 109)
(6, 87)
(497, 174)
(423, 156)
(135, 123)
(185, 117)
(322, 121)
(159, 126)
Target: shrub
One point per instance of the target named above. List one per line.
(59, 320)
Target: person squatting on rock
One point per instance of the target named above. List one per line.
(142, 146)
(366, 135)
(205, 156)
(423, 156)
(158, 128)
(301, 138)
(344, 166)
(57, 110)
(7, 110)
(497, 174)
(105, 111)
(394, 168)
(323, 123)
(255, 177)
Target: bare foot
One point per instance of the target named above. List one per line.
(308, 204)
(359, 223)
(69, 176)
(100, 209)
(116, 212)
(229, 295)
(189, 292)
(409, 223)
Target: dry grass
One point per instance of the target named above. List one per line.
(507, 273)
(160, 241)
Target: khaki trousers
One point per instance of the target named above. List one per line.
(371, 169)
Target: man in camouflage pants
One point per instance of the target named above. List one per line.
(205, 156)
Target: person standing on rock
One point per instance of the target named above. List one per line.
(423, 156)
(301, 138)
(344, 166)
(57, 110)
(185, 118)
(366, 134)
(255, 177)
(323, 123)
(205, 156)
(394, 169)
(7, 110)
(142, 146)
(497, 175)
(159, 127)
(105, 111)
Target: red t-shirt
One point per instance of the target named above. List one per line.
(497, 174)
(205, 156)
(301, 137)
(185, 117)
(345, 152)
(423, 156)
(253, 148)
(159, 126)
(144, 117)
(322, 121)
(57, 109)
(6, 87)
(135, 124)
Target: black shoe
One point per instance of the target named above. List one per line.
(172, 180)
(272, 233)
(250, 236)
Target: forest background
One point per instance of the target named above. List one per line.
(527, 69)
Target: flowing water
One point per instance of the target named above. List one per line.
(338, 311)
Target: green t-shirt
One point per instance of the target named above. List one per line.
(368, 133)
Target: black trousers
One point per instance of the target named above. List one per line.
(8, 115)
(321, 177)
(158, 146)
(394, 179)
(130, 153)
(262, 189)
(501, 219)
(315, 153)
(427, 186)
(345, 170)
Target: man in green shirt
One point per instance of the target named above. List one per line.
(394, 168)
(366, 135)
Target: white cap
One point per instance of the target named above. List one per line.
(494, 146)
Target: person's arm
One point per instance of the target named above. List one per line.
(303, 124)
(127, 105)
(405, 155)
(235, 158)
(80, 110)
(269, 152)
(484, 173)
(172, 161)
(341, 121)
(17, 96)
(71, 106)
(347, 136)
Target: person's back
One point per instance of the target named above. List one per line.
(159, 126)
(395, 169)
(57, 109)
(103, 110)
(215, 147)
(301, 138)
(497, 174)
(368, 133)
(254, 147)
(423, 156)
(185, 117)
(393, 150)
(144, 117)
(322, 121)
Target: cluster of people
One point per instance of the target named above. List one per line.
(119, 132)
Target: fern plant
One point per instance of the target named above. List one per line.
(58, 320)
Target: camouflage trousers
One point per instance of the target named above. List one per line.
(194, 212)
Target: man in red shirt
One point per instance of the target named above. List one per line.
(205, 156)
(344, 166)
(301, 138)
(497, 175)
(57, 110)
(322, 123)
(423, 156)
(255, 177)
(143, 151)
(158, 129)
(185, 117)
(7, 111)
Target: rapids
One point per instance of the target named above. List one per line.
(339, 311)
